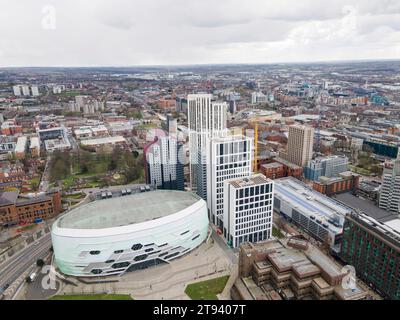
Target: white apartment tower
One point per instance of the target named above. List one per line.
(206, 118)
(26, 90)
(300, 145)
(389, 198)
(227, 158)
(248, 209)
(163, 163)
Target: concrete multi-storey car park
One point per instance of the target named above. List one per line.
(115, 235)
(321, 216)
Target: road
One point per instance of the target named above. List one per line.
(44, 183)
(21, 261)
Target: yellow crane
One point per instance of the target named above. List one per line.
(255, 167)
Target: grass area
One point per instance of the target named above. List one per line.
(34, 183)
(75, 196)
(277, 233)
(71, 93)
(88, 169)
(206, 290)
(147, 126)
(360, 170)
(28, 227)
(92, 297)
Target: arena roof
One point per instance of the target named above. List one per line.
(127, 210)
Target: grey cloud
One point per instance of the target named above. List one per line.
(132, 32)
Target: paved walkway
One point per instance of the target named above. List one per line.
(166, 281)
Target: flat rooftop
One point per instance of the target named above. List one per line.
(368, 207)
(254, 180)
(309, 202)
(105, 140)
(127, 210)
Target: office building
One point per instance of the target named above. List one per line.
(329, 167)
(390, 190)
(258, 97)
(300, 145)
(382, 147)
(164, 163)
(206, 118)
(248, 209)
(121, 234)
(226, 158)
(373, 248)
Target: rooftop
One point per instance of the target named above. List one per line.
(254, 180)
(324, 210)
(126, 210)
(368, 207)
(105, 140)
(8, 197)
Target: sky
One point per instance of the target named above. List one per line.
(88, 33)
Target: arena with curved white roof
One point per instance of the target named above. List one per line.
(116, 235)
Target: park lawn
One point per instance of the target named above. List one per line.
(70, 93)
(206, 290)
(92, 297)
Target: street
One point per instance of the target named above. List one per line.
(18, 264)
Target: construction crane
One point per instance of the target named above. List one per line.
(318, 132)
(255, 167)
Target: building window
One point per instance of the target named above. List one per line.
(195, 237)
(141, 257)
(137, 246)
(96, 271)
(120, 265)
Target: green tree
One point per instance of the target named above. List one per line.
(40, 263)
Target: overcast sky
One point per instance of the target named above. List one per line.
(162, 32)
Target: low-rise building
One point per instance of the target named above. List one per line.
(289, 169)
(273, 170)
(104, 142)
(15, 208)
(34, 146)
(312, 211)
(369, 189)
(290, 269)
(345, 182)
(329, 166)
(20, 148)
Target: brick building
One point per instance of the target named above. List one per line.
(347, 181)
(15, 208)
